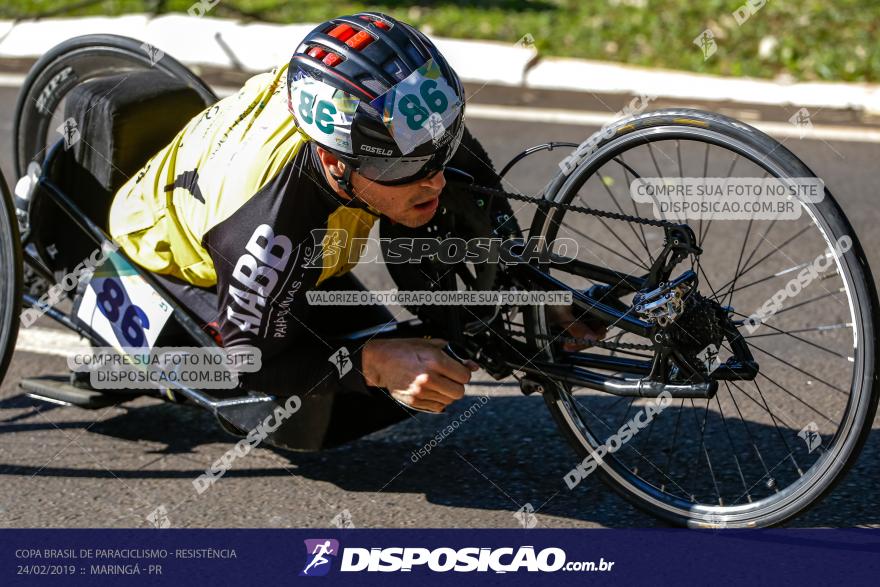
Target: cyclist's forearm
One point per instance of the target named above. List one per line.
(316, 369)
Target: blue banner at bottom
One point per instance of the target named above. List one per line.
(429, 557)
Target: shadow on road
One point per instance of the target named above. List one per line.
(505, 455)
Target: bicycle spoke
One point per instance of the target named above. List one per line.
(811, 300)
(705, 449)
(700, 236)
(732, 447)
(671, 454)
(642, 457)
(799, 370)
(796, 398)
(778, 431)
(733, 289)
(742, 250)
(616, 236)
(776, 427)
(790, 333)
(643, 240)
(610, 250)
(764, 258)
(823, 328)
(747, 428)
(761, 240)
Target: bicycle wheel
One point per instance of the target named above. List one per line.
(10, 277)
(759, 451)
(71, 63)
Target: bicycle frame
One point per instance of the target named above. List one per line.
(573, 367)
(245, 411)
(501, 355)
(498, 354)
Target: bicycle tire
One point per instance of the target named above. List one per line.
(10, 277)
(71, 63)
(862, 405)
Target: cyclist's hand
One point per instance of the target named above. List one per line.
(416, 372)
(564, 319)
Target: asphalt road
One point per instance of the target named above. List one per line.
(67, 467)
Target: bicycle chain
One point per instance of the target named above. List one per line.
(612, 346)
(488, 191)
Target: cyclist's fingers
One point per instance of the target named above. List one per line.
(429, 406)
(450, 368)
(442, 387)
(423, 399)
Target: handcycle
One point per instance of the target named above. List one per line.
(751, 434)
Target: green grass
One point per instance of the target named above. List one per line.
(803, 39)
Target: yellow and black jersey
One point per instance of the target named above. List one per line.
(237, 201)
(231, 153)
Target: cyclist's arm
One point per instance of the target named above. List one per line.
(260, 256)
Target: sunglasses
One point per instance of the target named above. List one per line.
(392, 171)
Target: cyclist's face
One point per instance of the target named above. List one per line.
(411, 204)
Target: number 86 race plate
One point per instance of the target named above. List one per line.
(121, 307)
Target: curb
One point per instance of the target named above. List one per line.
(255, 47)
(593, 76)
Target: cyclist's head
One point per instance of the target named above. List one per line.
(378, 95)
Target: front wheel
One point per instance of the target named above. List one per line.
(10, 277)
(759, 451)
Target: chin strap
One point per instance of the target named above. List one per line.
(344, 181)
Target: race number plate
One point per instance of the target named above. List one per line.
(121, 307)
(420, 108)
(323, 111)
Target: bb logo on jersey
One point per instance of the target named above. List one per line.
(256, 272)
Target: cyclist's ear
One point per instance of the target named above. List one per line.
(330, 161)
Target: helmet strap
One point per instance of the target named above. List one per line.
(344, 181)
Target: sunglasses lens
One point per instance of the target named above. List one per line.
(388, 170)
(396, 171)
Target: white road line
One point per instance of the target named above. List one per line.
(592, 118)
(11, 80)
(587, 118)
(61, 343)
(48, 341)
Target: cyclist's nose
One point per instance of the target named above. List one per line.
(436, 181)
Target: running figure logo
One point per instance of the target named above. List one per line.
(341, 359)
(329, 245)
(317, 562)
(70, 132)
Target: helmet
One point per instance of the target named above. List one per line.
(379, 95)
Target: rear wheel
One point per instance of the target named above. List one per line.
(68, 65)
(759, 451)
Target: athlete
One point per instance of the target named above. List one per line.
(236, 216)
